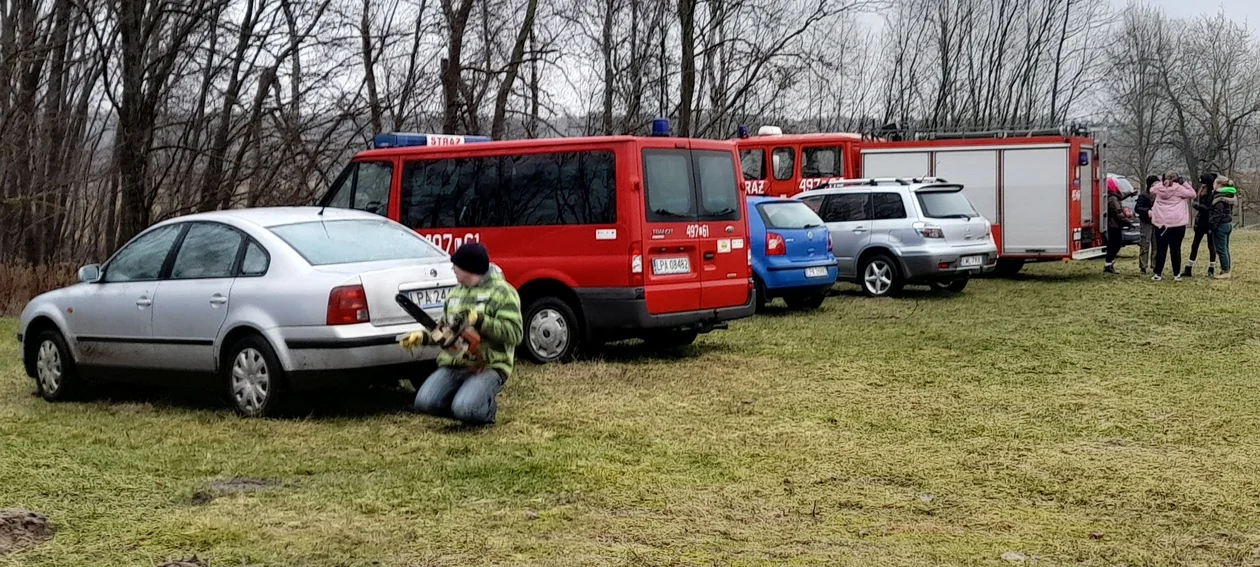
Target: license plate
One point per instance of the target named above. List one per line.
(428, 298)
(971, 261)
(671, 266)
(815, 272)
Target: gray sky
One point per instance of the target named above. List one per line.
(1238, 10)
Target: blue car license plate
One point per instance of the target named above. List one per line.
(816, 272)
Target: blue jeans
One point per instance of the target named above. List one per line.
(461, 394)
(1222, 245)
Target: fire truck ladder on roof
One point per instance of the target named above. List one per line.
(897, 132)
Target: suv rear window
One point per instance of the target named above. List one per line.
(946, 204)
(789, 216)
(352, 241)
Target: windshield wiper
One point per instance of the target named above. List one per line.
(812, 226)
(723, 212)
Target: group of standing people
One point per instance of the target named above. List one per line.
(1163, 210)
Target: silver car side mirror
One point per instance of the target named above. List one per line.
(90, 274)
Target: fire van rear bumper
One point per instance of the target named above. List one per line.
(625, 309)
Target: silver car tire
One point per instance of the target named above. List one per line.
(880, 277)
(56, 375)
(552, 333)
(253, 378)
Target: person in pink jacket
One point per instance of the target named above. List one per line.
(1170, 215)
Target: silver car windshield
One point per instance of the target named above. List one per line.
(324, 243)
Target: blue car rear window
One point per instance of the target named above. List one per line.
(353, 241)
(788, 216)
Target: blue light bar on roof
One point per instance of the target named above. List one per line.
(407, 139)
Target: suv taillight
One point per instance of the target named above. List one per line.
(347, 305)
(636, 264)
(775, 246)
(929, 230)
(829, 246)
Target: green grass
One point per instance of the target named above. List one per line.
(1064, 415)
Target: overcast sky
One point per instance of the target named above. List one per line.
(1238, 10)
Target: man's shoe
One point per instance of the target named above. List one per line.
(1110, 269)
(1189, 273)
(1223, 276)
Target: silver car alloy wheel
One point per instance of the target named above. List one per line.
(548, 333)
(878, 277)
(251, 381)
(48, 367)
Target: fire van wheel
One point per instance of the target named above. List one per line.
(1008, 268)
(551, 331)
(880, 276)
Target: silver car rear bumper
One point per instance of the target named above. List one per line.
(313, 349)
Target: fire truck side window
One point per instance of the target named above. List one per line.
(784, 163)
(753, 163)
(363, 186)
(516, 190)
(821, 162)
(719, 192)
(667, 175)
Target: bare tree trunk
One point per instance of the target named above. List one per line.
(687, 82)
(452, 66)
(499, 124)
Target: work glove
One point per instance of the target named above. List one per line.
(475, 318)
(416, 339)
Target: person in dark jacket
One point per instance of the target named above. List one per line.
(1207, 190)
(1116, 223)
(1142, 209)
(1221, 223)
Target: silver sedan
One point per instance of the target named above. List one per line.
(263, 300)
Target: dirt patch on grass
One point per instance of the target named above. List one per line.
(223, 488)
(20, 529)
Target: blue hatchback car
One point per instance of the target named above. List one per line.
(791, 252)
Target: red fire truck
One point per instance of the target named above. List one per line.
(1041, 189)
(781, 165)
(605, 238)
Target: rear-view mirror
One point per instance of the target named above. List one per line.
(90, 274)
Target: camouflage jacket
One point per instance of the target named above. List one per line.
(501, 327)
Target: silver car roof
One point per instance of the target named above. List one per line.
(267, 217)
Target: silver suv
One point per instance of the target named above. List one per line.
(888, 233)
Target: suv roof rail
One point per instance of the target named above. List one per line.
(877, 181)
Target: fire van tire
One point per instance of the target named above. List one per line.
(1008, 268)
(880, 277)
(552, 333)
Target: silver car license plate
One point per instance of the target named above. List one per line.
(815, 272)
(429, 298)
(971, 261)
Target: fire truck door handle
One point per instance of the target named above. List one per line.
(709, 255)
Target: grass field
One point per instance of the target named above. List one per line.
(1063, 416)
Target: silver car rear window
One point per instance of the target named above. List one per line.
(324, 243)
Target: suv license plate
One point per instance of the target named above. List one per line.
(815, 272)
(430, 298)
(671, 266)
(971, 261)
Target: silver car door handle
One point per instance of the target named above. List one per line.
(860, 229)
(144, 302)
(217, 299)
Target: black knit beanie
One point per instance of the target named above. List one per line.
(472, 258)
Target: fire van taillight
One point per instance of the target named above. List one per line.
(636, 264)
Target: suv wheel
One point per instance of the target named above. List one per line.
(955, 286)
(56, 376)
(880, 276)
(551, 331)
(253, 377)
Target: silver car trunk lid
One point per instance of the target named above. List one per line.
(425, 281)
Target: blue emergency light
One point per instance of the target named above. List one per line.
(743, 131)
(660, 127)
(408, 139)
